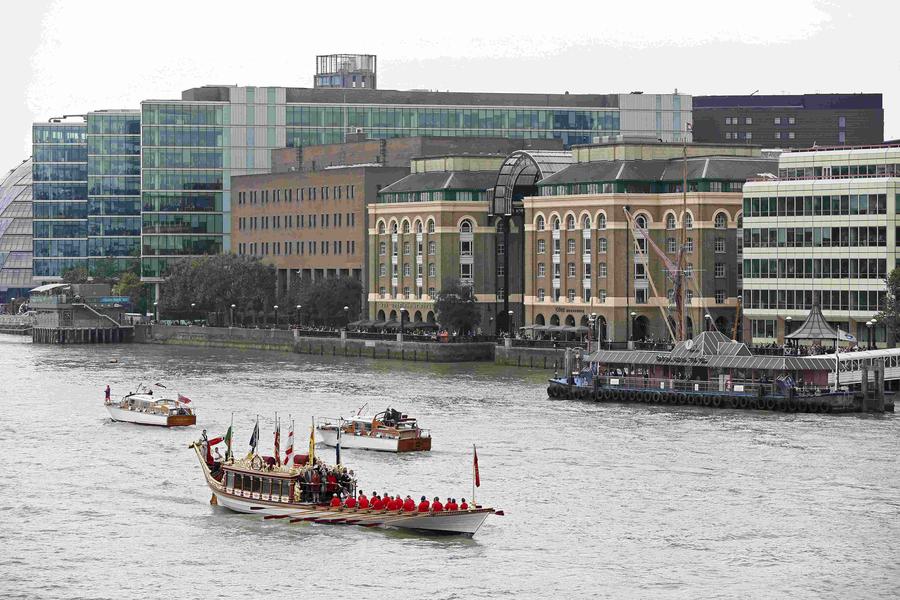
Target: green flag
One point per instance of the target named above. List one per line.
(228, 443)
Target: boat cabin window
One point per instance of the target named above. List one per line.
(255, 481)
(266, 486)
(229, 479)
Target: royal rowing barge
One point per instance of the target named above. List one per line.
(253, 487)
(149, 409)
(387, 431)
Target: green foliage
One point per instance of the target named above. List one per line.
(130, 285)
(75, 275)
(214, 283)
(456, 309)
(890, 316)
(323, 301)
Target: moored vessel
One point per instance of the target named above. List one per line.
(387, 431)
(149, 409)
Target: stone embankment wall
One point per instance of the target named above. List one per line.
(287, 341)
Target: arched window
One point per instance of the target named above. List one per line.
(430, 226)
(641, 221)
(720, 221)
(670, 221)
(688, 221)
(405, 226)
(740, 223)
(394, 227)
(586, 222)
(601, 221)
(555, 223)
(540, 223)
(380, 226)
(465, 226)
(418, 226)
(570, 223)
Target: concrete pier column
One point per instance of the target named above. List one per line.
(864, 382)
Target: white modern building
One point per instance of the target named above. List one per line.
(824, 230)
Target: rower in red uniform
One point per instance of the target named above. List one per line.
(451, 504)
(463, 505)
(409, 505)
(377, 502)
(436, 505)
(363, 502)
(423, 505)
(350, 502)
(335, 501)
(398, 502)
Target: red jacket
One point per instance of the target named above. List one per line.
(377, 503)
(331, 486)
(409, 505)
(436, 506)
(423, 506)
(350, 502)
(395, 504)
(363, 502)
(335, 501)
(463, 506)
(452, 506)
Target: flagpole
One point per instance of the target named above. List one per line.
(473, 474)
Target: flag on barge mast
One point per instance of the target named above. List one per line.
(228, 435)
(277, 452)
(476, 477)
(312, 443)
(289, 450)
(254, 439)
(337, 446)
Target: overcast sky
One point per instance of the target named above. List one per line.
(71, 57)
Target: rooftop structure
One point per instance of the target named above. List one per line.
(15, 233)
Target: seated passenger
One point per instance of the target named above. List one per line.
(350, 502)
(463, 505)
(436, 505)
(451, 504)
(335, 501)
(363, 502)
(377, 502)
(395, 503)
(409, 505)
(423, 505)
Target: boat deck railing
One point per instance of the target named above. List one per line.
(734, 387)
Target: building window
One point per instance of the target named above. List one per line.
(748, 135)
(748, 121)
(406, 292)
(570, 223)
(541, 247)
(430, 226)
(601, 269)
(688, 221)
(670, 221)
(541, 295)
(501, 269)
(689, 296)
(640, 272)
(720, 296)
(842, 122)
(501, 248)
(382, 269)
(601, 221)
(406, 247)
(720, 269)
(407, 271)
(689, 245)
(465, 248)
(570, 247)
(382, 248)
(777, 122)
(405, 226)
(541, 225)
(556, 247)
(727, 135)
(431, 292)
(777, 135)
(762, 328)
(601, 296)
(689, 270)
(791, 120)
(542, 269)
(720, 221)
(640, 296)
(432, 271)
(571, 269)
(601, 244)
(555, 270)
(720, 245)
(587, 246)
(842, 137)
(432, 248)
(570, 294)
(791, 135)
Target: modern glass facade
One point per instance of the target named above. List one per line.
(114, 188)
(183, 182)
(327, 124)
(60, 188)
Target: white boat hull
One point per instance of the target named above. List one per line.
(133, 416)
(364, 442)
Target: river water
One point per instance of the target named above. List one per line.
(614, 501)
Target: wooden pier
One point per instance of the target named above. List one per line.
(82, 335)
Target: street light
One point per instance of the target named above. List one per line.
(869, 324)
(708, 318)
(276, 316)
(298, 314)
(631, 323)
(347, 317)
(402, 313)
(232, 315)
(156, 310)
(512, 329)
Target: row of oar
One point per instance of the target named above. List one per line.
(363, 519)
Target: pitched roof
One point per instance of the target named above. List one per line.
(815, 327)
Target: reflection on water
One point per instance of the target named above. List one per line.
(601, 500)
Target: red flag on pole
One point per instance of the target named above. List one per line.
(184, 399)
(475, 466)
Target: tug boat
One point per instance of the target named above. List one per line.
(387, 431)
(255, 486)
(147, 409)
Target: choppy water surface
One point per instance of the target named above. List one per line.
(601, 500)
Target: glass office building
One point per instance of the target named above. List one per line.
(114, 190)
(60, 186)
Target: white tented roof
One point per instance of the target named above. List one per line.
(48, 287)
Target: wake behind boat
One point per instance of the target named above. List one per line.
(145, 408)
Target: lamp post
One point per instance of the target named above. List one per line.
(631, 325)
(347, 317)
(156, 310)
(299, 306)
(708, 318)
(12, 305)
(231, 324)
(869, 325)
(511, 323)
(491, 325)
(193, 305)
(593, 321)
(276, 316)
(402, 314)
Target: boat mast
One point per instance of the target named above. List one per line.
(682, 312)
